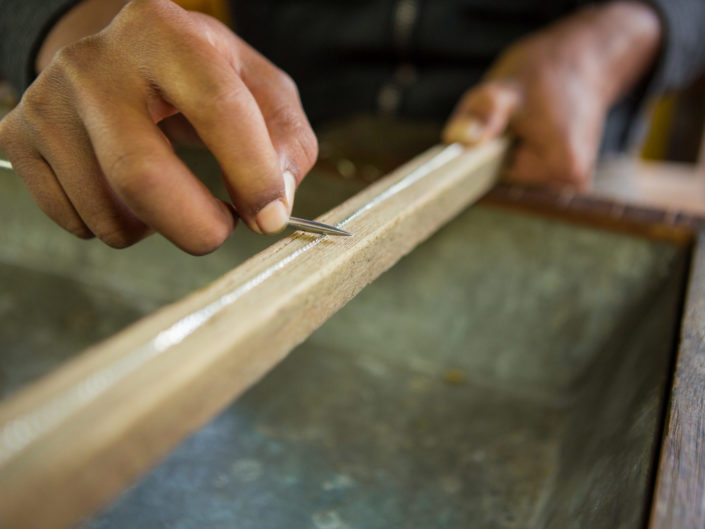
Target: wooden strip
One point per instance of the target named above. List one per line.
(679, 501)
(672, 226)
(656, 185)
(73, 440)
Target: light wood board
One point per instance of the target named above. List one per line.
(72, 441)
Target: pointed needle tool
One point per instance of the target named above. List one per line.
(312, 226)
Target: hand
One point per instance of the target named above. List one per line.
(86, 142)
(552, 91)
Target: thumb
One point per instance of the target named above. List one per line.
(483, 113)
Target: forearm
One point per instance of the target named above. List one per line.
(86, 18)
(623, 40)
(607, 48)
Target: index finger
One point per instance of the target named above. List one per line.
(153, 182)
(216, 101)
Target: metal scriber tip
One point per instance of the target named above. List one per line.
(312, 226)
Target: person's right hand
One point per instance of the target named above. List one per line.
(85, 138)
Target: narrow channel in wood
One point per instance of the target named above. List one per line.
(72, 441)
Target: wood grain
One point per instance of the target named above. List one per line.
(597, 212)
(72, 441)
(679, 501)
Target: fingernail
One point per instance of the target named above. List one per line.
(273, 217)
(465, 130)
(290, 187)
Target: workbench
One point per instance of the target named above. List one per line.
(515, 370)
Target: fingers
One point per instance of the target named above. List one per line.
(100, 163)
(180, 131)
(552, 147)
(81, 178)
(228, 121)
(526, 167)
(205, 87)
(483, 113)
(40, 180)
(65, 178)
(46, 191)
(558, 166)
(153, 183)
(289, 130)
(73, 190)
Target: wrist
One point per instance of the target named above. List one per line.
(86, 18)
(618, 43)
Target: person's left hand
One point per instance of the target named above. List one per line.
(552, 91)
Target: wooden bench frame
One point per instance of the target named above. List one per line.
(78, 436)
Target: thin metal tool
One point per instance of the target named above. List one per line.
(310, 226)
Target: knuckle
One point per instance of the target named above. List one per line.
(161, 18)
(219, 101)
(210, 240)
(67, 58)
(132, 173)
(71, 61)
(286, 82)
(301, 143)
(480, 101)
(137, 9)
(575, 170)
(495, 95)
(145, 22)
(117, 238)
(306, 143)
(72, 76)
(469, 100)
(79, 229)
(36, 103)
(7, 128)
(488, 92)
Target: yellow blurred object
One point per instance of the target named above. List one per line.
(660, 116)
(214, 8)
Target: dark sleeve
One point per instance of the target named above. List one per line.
(681, 60)
(23, 26)
(683, 53)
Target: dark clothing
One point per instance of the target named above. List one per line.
(408, 57)
(23, 26)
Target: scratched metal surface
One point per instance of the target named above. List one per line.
(508, 373)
